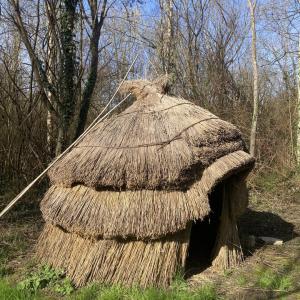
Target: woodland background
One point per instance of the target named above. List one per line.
(61, 61)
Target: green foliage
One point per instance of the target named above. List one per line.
(64, 287)
(8, 292)
(269, 279)
(178, 290)
(47, 277)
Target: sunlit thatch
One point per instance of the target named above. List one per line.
(122, 203)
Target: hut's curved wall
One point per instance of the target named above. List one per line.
(129, 262)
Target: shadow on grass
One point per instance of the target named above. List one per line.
(273, 282)
(260, 223)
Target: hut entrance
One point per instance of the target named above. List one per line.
(203, 235)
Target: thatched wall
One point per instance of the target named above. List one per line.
(144, 263)
(133, 237)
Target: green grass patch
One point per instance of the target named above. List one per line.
(10, 292)
(269, 279)
(51, 280)
(177, 291)
(268, 182)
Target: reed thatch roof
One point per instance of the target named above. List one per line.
(159, 142)
(122, 202)
(140, 214)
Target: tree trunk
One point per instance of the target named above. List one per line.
(50, 71)
(252, 7)
(67, 73)
(170, 37)
(93, 69)
(298, 108)
(88, 89)
(167, 47)
(38, 70)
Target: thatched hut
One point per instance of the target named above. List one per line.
(152, 190)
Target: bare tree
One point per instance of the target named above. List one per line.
(57, 74)
(252, 7)
(298, 103)
(96, 25)
(51, 10)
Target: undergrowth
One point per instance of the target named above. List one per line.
(9, 292)
(48, 281)
(10, 245)
(177, 291)
(47, 277)
(269, 279)
(276, 182)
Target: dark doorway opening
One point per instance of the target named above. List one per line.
(203, 235)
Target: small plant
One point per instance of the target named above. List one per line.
(64, 287)
(47, 277)
(4, 270)
(207, 292)
(227, 272)
(179, 284)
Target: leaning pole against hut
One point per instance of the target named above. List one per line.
(123, 203)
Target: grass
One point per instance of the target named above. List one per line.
(12, 243)
(115, 292)
(178, 290)
(47, 277)
(10, 292)
(241, 280)
(270, 279)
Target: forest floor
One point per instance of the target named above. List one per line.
(269, 272)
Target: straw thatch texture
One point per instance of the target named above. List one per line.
(159, 142)
(141, 214)
(127, 262)
(123, 201)
(227, 251)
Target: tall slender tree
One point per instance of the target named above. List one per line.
(252, 7)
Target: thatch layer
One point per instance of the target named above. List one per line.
(144, 214)
(140, 214)
(113, 261)
(159, 142)
(227, 251)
